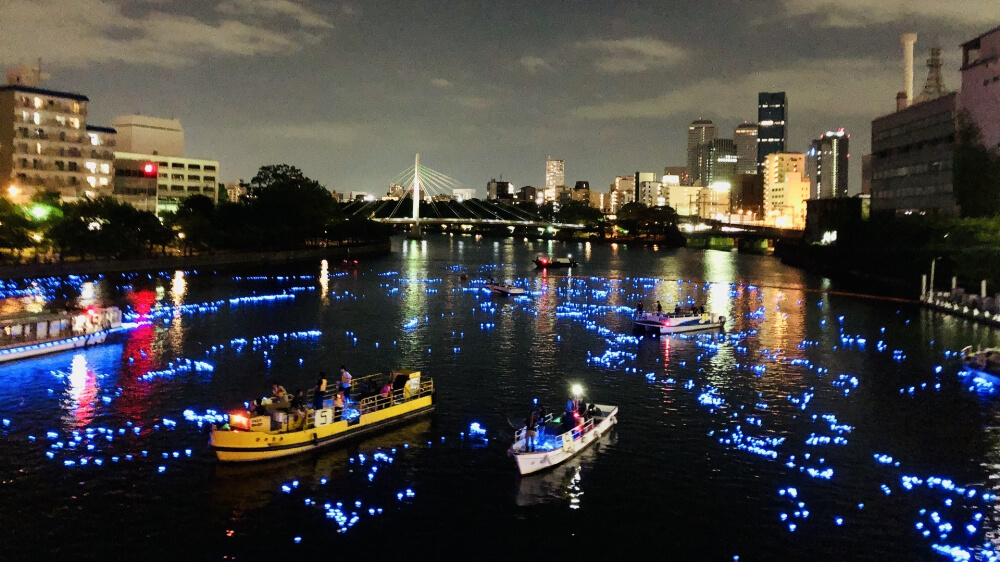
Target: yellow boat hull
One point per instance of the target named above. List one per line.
(247, 446)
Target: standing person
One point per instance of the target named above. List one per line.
(345, 382)
(529, 432)
(638, 308)
(319, 392)
(659, 308)
(338, 406)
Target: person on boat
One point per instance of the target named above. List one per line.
(319, 391)
(338, 406)
(254, 407)
(542, 414)
(298, 406)
(345, 382)
(385, 395)
(659, 308)
(278, 393)
(491, 281)
(677, 309)
(530, 431)
(638, 309)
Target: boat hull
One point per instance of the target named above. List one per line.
(664, 325)
(506, 290)
(249, 446)
(529, 463)
(56, 346)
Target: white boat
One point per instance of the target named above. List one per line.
(505, 289)
(27, 336)
(545, 262)
(660, 323)
(552, 448)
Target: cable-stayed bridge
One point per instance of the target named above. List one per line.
(417, 205)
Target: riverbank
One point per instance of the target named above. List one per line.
(192, 262)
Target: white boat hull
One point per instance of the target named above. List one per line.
(667, 324)
(55, 346)
(528, 463)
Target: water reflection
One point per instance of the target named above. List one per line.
(324, 282)
(564, 482)
(178, 287)
(82, 389)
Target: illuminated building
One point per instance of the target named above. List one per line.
(745, 137)
(827, 161)
(180, 177)
(621, 193)
(463, 194)
(772, 124)
(555, 175)
(684, 199)
(581, 192)
(785, 190)
(46, 145)
(700, 132)
(719, 162)
(135, 182)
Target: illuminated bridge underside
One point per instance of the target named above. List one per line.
(471, 212)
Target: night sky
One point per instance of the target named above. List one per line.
(350, 91)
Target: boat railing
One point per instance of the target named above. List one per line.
(399, 396)
(520, 433)
(565, 440)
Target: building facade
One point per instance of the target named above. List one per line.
(555, 175)
(980, 97)
(785, 201)
(46, 145)
(178, 178)
(772, 124)
(700, 132)
(135, 182)
(499, 190)
(827, 165)
(719, 163)
(745, 137)
(141, 134)
(621, 193)
(913, 152)
(581, 192)
(684, 199)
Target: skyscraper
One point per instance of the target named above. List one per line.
(718, 162)
(745, 137)
(827, 164)
(772, 124)
(700, 131)
(555, 175)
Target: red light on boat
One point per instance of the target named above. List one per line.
(239, 421)
(545, 261)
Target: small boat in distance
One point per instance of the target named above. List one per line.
(675, 323)
(275, 430)
(546, 262)
(30, 335)
(505, 289)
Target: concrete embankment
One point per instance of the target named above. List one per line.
(192, 262)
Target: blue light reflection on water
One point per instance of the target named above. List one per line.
(778, 383)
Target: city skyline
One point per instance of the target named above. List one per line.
(348, 92)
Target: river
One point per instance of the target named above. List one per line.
(818, 426)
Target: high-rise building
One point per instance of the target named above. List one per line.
(980, 97)
(827, 164)
(772, 124)
(700, 132)
(46, 144)
(718, 162)
(581, 192)
(142, 134)
(555, 175)
(785, 201)
(745, 137)
(621, 193)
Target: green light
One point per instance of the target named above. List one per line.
(40, 212)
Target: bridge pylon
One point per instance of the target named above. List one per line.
(415, 233)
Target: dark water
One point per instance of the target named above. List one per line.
(689, 473)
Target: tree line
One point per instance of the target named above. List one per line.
(282, 210)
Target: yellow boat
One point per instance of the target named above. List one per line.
(279, 433)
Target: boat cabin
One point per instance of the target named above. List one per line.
(27, 329)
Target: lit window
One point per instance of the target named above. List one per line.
(92, 181)
(104, 181)
(61, 120)
(38, 148)
(75, 123)
(105, 168)
(37, 118)
(38, 103)
(92, 166)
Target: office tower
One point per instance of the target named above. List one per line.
(772, 124)
(745, 137)
(828, 164)
(718, 162)
(700, 131)
(555, 175)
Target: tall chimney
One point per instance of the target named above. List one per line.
(908, 40)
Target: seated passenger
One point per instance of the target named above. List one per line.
(278, 393)
(385, 396)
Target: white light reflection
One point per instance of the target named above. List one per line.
(324, 281)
